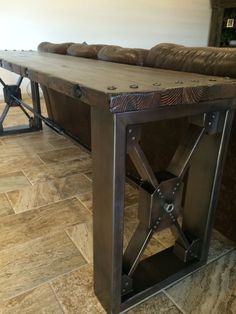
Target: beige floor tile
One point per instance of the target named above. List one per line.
(5, 207)
(131, 212)
(28, 265)
(18, 229)
(34, 196)
(17, 163)
(37, 142)
(45, 135)
(41, 300)
(15, 117)
(87, 200)
(130, 199)
(160, 304)
(44, 193)
(12, 181)
(152, 248)
(219, 245)
(65, 154)
(73, 185)
(58, 170)
(61, 142)
(89, 174)
(82, 236)
(131, 195)
(34, 138)
(165, 237)
(211, 290)
(24, 148)
(75, 292)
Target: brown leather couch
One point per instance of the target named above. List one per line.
(74, 115)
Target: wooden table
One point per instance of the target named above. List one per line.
(121, 98)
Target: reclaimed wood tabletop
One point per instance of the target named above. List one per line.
(117, 87)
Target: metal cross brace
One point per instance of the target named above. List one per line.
(160, 200)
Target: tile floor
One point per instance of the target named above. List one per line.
(46, 236)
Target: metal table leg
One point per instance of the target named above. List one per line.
(108, 153)
(202, 154)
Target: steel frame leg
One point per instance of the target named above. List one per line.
(204, 183)
(164, 268)
(108, 147)
(37, 122)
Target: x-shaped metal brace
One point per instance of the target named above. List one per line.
(160, 197)
(9, 91)
(13, 98)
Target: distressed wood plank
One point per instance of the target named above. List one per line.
(91, 81)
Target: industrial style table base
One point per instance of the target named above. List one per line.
(13, 98)
(187, 189)
(182, 197)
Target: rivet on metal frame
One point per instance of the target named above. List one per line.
(156, 84)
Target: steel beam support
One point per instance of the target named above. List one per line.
(109, 151)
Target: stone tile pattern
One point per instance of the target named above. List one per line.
(46, 263)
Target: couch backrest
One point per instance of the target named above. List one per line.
(134, 56)
(203, 60)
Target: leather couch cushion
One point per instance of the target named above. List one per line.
(54, 48)
(83, 50)
(132, 56)
(208, 60)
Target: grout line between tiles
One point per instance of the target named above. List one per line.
(53, 232)
(88, 262)
(173, 301)
(5, 193)
(54, 202)
(58, 300)
(77, 197)
(9, 201)
(27, 177)
(87, 177)
(43, 283)
(61, 199)
(198, 269)
(220, 256)
(142, 301)
(44, 163)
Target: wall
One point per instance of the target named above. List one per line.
(131, 23)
